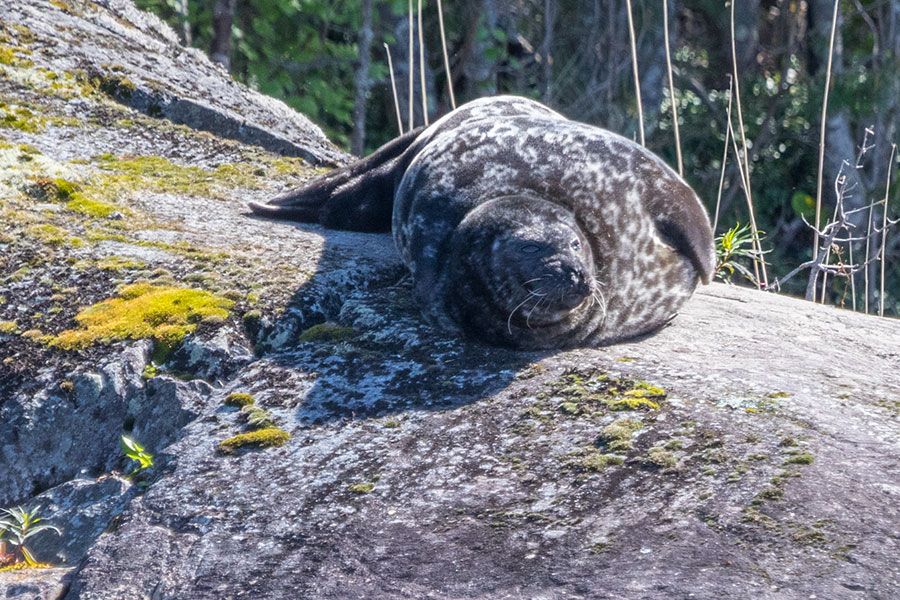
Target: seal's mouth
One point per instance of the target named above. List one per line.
(550, 299)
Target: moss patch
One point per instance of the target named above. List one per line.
(361, 488)
(592, 460)
(585, 394)
(143, 310)
(271, 437)
(90, 208)
(617, 435)
(21, 566)
(800, 459)
(327, 332)
(239, 399)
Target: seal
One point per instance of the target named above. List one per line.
(523, 228)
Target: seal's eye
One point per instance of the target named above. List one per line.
(576, 244)
(530, 248)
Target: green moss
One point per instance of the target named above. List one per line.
(8, 327)
(22, 566)
(258, 418)
(391, 424)
(590, 394)
(67, 386)
(617, 435)
(361, 488)
(115, 85)
(90, 208)
(804, 458)
(239, 399)
(53, 235)
(36, 335)
(21, 119)
(592, 460)
(641, 396)
(149, 371)
(327, 332)
(569, 408)
(661, 457)
(158, 174)
(117, 263)
(7, 56)
(143, 310)
(632, 404)
(271, 437)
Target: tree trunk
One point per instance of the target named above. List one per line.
(184, 32)
(361, 81)
(480, 70)
(546, 51)
(223, 17)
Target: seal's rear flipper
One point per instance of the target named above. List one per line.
(359, 197)
(682, 223)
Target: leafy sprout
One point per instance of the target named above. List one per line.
(735, 243)
(136, 452)
(18, 526)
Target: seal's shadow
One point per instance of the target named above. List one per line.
(354, 344)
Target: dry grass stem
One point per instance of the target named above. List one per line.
(446, 58)
(744, 179)
(422, 67)
(887, 191)
(724, 155)
(672, 88)
(822, 132)
(394, 89)
(634, 67)
(759, 263)
(412, 121)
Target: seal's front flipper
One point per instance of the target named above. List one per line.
(359, 197)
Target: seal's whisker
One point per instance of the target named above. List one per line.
(509, 318)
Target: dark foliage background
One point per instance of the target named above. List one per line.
(325, 58)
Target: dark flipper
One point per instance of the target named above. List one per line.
(683, 223)
(358, 197)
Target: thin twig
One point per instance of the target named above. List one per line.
(672, 88)
(634, 66)
(422, 67)
(446, 59)
(724, 154)
(866, 272)
(841, 192)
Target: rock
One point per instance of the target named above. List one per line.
(34, 584)
(53, 435)
(214, 359)
(82, 508)
(746, 451)
(195, 91)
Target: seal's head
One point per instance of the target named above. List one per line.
(527, 269)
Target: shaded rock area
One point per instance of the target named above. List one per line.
(749, 450)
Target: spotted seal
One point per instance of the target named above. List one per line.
(523, 228)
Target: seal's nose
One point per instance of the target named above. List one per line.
(574, 292)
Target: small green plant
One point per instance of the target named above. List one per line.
(735, 243)
(136, 452)
(16, 528)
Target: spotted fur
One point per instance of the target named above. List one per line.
(502, 175)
